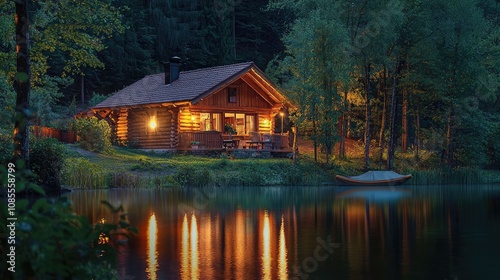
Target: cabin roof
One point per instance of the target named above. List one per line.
(191, 86)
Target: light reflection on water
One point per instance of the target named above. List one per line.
(152, 250)
(282, 261)
(194, 248)
(268, 233)
(185, 249)
(266, 248)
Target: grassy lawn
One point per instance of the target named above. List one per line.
(124, 167)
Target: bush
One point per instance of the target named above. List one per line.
(6, 148)
(95, 135)
(188, 176)
(46, 160)
(53, 242)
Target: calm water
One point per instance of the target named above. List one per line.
(307, 233)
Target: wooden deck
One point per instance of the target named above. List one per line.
(217, 140)
(238, 153)
(243, 146)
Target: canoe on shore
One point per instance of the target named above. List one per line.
(374, 178)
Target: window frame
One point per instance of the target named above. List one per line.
(222, 122)
(232, 95)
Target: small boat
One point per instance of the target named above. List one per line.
(374, 178)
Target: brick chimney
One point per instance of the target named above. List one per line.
(172, 70)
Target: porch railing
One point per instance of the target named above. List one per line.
(207, 139)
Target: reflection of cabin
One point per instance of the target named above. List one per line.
(168, 111)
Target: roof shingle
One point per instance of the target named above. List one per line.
(191, 84)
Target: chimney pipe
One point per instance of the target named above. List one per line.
(172, 70)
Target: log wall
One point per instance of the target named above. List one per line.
(122, 126)
(141, 134)
(265, 123)
(189, 120)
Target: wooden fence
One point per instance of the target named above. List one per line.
(60, 135)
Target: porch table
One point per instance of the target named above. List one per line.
(256, 144)
(231, 143)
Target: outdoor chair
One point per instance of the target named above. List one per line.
(256, 141)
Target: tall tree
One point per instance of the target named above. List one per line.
(372, 28)
(64, 37)
(22, 83)
(318, 65)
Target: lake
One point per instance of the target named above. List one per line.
(436, 232)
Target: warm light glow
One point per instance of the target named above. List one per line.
(103, 239)
(282, 261)
(152, 122)
(152, 248)
(282, 114)
(266, 249)
(206, 233)
(266, 121)
(192, 117)
(194, 249)
(189, 249)
(185, 249)
(239, 245)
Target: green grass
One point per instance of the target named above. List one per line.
(124, 167)
(132, 168)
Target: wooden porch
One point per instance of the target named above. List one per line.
(215, 141)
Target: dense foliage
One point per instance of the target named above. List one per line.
(46, 161)
(95, 135)
(52, 242)
(412, 74)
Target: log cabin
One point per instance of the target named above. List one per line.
(170, 110)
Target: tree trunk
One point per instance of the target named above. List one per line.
(348, 132)
(368, 116)
(315, 141)
(294, 145)
(381, 138)
(342, 138)
(391, 148)
(327, 149)
(417, 135)
(404, 122)
(22, 83)
(343, 125)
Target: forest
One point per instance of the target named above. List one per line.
(418, 78)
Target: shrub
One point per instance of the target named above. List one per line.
(95, 135)
(293, 176)
(188, 176)
(52, 242)
(46, 160)
(6, 148)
